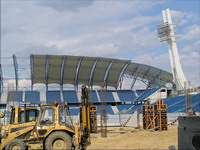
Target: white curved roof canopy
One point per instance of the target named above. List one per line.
(76, 70)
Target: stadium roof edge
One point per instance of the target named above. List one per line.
(76, 70)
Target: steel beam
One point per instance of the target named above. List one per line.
(121, 73)
(47, 64)
(16, 71)
(107, 72)
(77, 71)
(62, 71)
(133, 83)
(92, 72)
(31, 68)
(1, 80)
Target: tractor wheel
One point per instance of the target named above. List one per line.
(58, 141)
(16, 144)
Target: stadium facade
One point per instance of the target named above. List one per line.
(121, 104)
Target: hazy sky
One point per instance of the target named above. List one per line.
(102, 28)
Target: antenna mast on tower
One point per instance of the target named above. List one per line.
(166, 32)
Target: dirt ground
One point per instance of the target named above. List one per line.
(130, 138)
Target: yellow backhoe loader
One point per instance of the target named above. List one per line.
(49, 128)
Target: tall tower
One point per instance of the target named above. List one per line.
(166, 32)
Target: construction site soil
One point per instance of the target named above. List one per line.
(130, 138)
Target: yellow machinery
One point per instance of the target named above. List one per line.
(89, 117)
(51, 130)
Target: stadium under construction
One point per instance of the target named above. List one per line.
(104, 77)
(46, 78)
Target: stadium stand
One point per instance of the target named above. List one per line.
(115, 109)
(126, 95)
(123, 107)
(16, 96)
(139, 92)
(197, 108)
(133, 109)
(178, 107)
(93, 96)
(74, 110)
(173, 100)
(108, 95)
(116, 97)
(2, 107)
(177, 104)
(147, 93)
(51, 96)
(127, 108)
(195, 99)
(108, 109)
(32, 96)
(70, 97)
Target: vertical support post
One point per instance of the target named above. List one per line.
(16, 71)
(133, 83)
(31, 67)
(47, 70)
(120, 120)
(1, 81)
(103, 112)
(138, 118)
(188, 107)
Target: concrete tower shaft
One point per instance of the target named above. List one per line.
(166, 32)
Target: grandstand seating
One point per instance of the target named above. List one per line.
(173, 100)
(32, 96)
(178, 107)
(51, 96)
(177, 104)
(197, 108)
(16, 96)
(74, 110)
(108, 96)
(2, 107)
(147, 93)
(126, 95)
(128, 108)
(139, 92)
(70, 97)
(195, 98)
(108, 109)
(93, 96)
(136, 107)
(123, 107)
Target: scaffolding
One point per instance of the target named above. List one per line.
(155, 116)
(188, 107)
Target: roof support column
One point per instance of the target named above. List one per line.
(1, 81)
(107, 73)
(16, 71)
(77, 72)
(31, 67)
(121, 73)
(155, 80)
(133, 83)
(62, 71)
(47, 65)
(92, 72)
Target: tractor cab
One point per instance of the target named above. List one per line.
(54, 116)
(23, 114)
